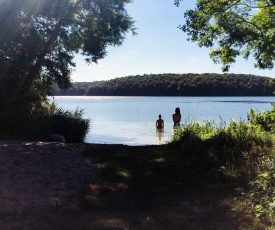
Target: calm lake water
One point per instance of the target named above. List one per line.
(131, 120)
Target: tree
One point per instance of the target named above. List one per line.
(38, 42)
(233, 28)
(39, 39)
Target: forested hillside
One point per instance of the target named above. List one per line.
(175, 85)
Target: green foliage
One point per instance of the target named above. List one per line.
(265, 119)
(43, 122)
(263, 186)
(263, 189)
(240, 152)
(175, 85)
(233, 28)
(16, 122)
(202, 131)
(230, 150)
(40, 38)
(38, 42)
(70, 124)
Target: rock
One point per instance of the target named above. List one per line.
(57, 138)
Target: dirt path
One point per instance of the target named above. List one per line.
(41, 174)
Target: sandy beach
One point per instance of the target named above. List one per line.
(41, 173)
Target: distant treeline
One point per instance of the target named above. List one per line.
(208, 84)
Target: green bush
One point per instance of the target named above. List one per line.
(17, 123)
(223, 148)
(70, 124)
(265, 119)
(262, 192)
(40, 123)
(240, 152)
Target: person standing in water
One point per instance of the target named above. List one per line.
(160, 123)
(176, 117)
(160, 128)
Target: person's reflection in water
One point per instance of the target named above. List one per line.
(160, 128)
(160, 133)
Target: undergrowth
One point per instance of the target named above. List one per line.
(239, 152)
(40, 123)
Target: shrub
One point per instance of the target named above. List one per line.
(70, 124)
(265, 119)
(242, 152)
(39, 124)
(18, 122)
(236, 147)
(262, 192)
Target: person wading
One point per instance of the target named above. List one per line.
(176, 117)
(160, 123)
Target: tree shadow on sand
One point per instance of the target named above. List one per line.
(145, 187)
(151, 187)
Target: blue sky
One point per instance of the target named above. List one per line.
(159, 47)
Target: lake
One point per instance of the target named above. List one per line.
(131, 120)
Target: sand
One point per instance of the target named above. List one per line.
(36, 174)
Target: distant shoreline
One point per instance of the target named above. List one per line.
(195, 85)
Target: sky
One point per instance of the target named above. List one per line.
(159, 47)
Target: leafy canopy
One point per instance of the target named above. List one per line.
(39, 39)
(233, 28)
